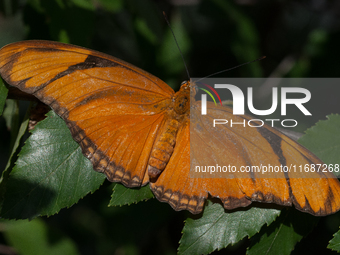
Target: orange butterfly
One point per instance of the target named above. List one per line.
(136, 129)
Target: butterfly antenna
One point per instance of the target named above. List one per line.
(226, 70)
(173, 34)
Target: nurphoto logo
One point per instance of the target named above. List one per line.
(238, 106)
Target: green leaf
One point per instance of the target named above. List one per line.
(15, 146)
(334, 244)
(282, 235)
(70, 21)
(51, 173)
(12, 157)
(113, 6)
(148, 22)
(216, 229)
(11, 116)
(35, 238)
(323, 139)
(3, 95)
(86, 4)
(144, 30)
(126, 196)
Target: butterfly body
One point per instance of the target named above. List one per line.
(178, 111)
(163, 148)
(134, 128)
